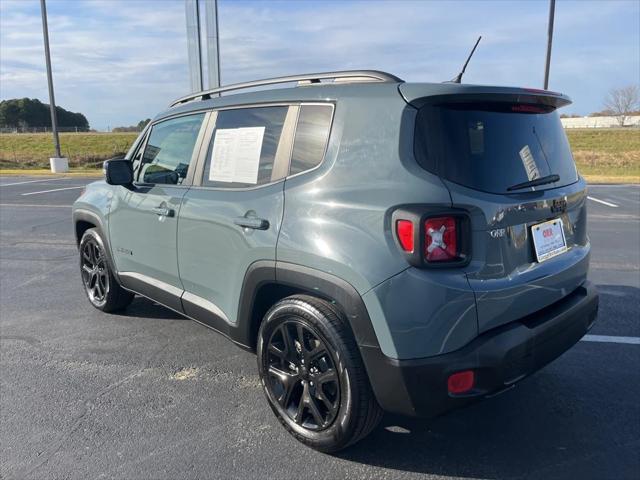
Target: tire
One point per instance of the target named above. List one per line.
(313, 376)
(100, 285)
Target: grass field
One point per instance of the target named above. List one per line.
(606, 153)
(602, 155)
(25, 150)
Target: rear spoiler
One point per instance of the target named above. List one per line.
(419, 94)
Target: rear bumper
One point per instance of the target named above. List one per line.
(500, 358)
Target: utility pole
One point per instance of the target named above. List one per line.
(52, 101)
(194, 47)
(213, 43)
(552, 10)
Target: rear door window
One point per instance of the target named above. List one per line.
(492, 147)
(312, 133)
(243, 149)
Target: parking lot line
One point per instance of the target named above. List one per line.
(611, 339)
(33, 205)
(41, 180)
(53, 190)
(608, 204)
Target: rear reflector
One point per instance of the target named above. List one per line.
(441, 239)
(404, 230)
(461, 382)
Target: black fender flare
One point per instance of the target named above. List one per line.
(387, 384)
(82, 215)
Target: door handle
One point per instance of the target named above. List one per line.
(163, 211)
(252, 222)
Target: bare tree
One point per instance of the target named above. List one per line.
(622, 101)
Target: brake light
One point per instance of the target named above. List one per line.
(528, 108)
(404, 230)
(441, 239)
(461, 382)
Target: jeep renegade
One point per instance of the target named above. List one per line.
(381, 245)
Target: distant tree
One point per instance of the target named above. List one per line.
(133, 128)
(27, 112)
(622, 101)
(603, 113)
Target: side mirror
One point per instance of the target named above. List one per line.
(118, 172)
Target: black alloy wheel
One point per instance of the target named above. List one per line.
(312, 374)
(100, 284)
(301, 375)
(95, 273)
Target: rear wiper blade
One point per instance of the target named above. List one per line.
(534, 183)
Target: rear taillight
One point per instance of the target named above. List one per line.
(404, 230)
(432, 237)
(441, 239)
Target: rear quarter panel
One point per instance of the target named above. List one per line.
(337, 219)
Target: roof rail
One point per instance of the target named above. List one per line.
(305, 79)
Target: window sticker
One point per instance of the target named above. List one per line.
(529, 163)
(235, 156)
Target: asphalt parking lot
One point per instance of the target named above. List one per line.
(149, 394)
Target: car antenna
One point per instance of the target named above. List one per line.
(458, 78)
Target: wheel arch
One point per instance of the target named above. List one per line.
(267, 282)
(83, 220)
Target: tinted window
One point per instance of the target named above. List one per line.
(312, 133)
(493, 147)
(168, 152)
(244, 145)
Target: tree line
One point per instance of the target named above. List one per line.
(23, 113)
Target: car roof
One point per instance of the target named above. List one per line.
(345, 84)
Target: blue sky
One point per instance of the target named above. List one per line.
(120, 61)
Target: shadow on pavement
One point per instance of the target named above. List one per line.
(142, 307)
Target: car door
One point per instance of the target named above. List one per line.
(143, 217)
(231, 217)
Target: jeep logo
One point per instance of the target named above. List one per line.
(559, 205)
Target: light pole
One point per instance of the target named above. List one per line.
(194, 44)
(194, 47)
(52, 100)
(552, 10)
(213, 43)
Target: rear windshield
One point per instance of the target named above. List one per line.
(492, 147)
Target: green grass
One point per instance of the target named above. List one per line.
(24, 150)
(607, 155)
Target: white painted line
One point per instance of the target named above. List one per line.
(608, 204)
(611, 339)
(33, 181)
(33, 205)
(54, 190)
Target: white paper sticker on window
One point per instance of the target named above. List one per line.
(236, 155)
(529, 163)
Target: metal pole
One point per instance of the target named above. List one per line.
(552, 10)
(192, 11)
(213, 43)
(52, 100)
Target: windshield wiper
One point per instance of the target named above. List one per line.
(534, 183)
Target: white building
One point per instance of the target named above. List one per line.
(599, 122)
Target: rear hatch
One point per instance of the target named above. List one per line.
(504, 157)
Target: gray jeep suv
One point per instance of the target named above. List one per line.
(381, 245)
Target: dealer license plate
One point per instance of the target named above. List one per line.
(548, 239)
